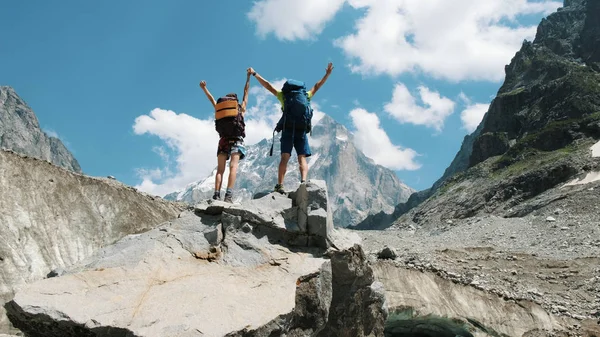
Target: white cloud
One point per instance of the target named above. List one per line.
(374, 142)
(464, 98)
(452, 40)
(292, 19)
(191, 143)
(194, 142)
(472, 116)
(405, 108)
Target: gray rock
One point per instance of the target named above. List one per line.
(304, 221)
(314, 212)
(301, 198)
(246, 228)
(358, 307)
(56, 272)
(317, 222)
(20, 131)
(310, 315)
(188, 277)
(261, 194)
(62, 218)
(387, 253)
(231, 222)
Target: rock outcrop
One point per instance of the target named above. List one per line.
(551, 86)
(20, 132)
(357, 186)
(427, 294)
(51, 218)
(495, 276)
(273, 266)
(537, 132)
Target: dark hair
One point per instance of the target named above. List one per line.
(231, 94)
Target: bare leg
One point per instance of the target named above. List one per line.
(285, 157)
(221, 161)
(303, 167)
(233, 165)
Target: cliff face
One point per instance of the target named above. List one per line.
(20, 132)
(537, 130)
(51, 218)
(552, 80)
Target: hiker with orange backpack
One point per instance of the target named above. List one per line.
(229, 123)
(295, 122)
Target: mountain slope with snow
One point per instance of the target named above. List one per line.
(357, 186)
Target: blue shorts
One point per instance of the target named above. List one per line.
(299, 143)
(229, 146)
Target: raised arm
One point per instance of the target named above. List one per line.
(322, 81)
(210, 97)
(264, 82)
(246, 87)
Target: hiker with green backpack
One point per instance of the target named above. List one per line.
(229, 123)
(295, 122)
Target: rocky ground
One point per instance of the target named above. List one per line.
(51, 217)
(550, 257)
(258, 269)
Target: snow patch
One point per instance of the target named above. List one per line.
(596, 150)
(315, 142)
(342, 138)
(589, 178)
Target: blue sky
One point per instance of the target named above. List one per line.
(118, 80)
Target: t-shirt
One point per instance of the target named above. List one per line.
(280, 96)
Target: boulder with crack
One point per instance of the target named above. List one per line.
(221, 270)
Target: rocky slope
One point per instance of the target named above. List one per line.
(537, 132)
(358, 187)
(506, 243)
(256, 269)
(260, 269)
(536, 275)
(20, 131)
(51, 217)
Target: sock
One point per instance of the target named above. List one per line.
(217, 192)
(229, 191)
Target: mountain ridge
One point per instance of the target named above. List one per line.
(358, 186)
(549, 102)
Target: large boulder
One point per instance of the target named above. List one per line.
(314, 213)
(218, 270)
(51, 218)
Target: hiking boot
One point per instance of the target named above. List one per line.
(279, 188)
(228, 198)
(217, 196)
